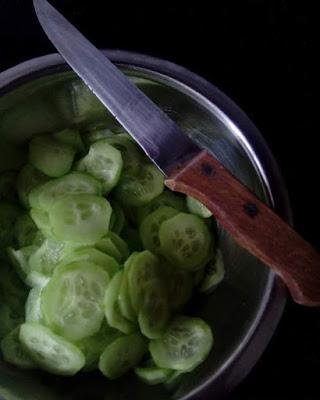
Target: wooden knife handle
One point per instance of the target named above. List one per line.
(252, 224)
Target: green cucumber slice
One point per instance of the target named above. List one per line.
(122, 354)
(50, 156)
(42, 221)
(124, 299)
(150, 226)
(186, 343)
(140, 188)
(80, 218)
(70, 137)
(153, 375)
(111, 306)
(213, 274)
(33, 305)
(51, 352)
(107, 246)
(36, 279)
(28, 178)
(13, 351)
(179, 286)
(185, 241)
(20, 259)
(71, 303)
(131, 153)
(197, 208)
(120, 244)
(118, 219)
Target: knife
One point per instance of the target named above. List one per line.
(189, 169)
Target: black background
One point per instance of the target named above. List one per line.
(262, 54)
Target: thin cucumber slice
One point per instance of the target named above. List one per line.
(71, 303)
(25, 230)
(13, 351)
(140, 188)
(108, 263)
(150, 226)
(80, 218)
(142, 268)
(153, 375)
(49, 255)
(185, 241)
(122, 354)
(154, 312)
(42, 221)
(111, 306)
(197, 208)
(97, 134)
(28, 178)
(117, 218)
(186, 344)
(10, 319)
(70, 137)
(8, 186)
(50, 156)
(124, 299)
(104, 162)
(165, 199)
(180, 286)
(174, 380)
(20, 259)
(45, 195)
(51, 352)
(36, 279)
(38, 239)
(106, 245)
(131, 154)
(213, 274)
(120, 244)
(9, 214)
(33, 306)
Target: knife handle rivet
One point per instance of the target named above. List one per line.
(207, 169)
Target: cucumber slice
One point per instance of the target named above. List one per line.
(70, 137)
(10, 319)
(49, 255)
(154, 312)
(9, 214)
(180, 286)
(213, 274)
(97, 134)
(71, 303)
(131, 153)
(42, 221)
(108, 263)
(140, 188)
(28, 178)
(50, 156)
(111, 306)
(8, 186)
(124, 299)
(142, 268)
(80, 218)
(122, 354)
(185, 241)
(153, 375)
(104, 162)
(186, 343)
(197, 208)
(33, 306)
(118, 219)
(38, 239)
(106, 245)
(35, 279)
(13, 351)
(174, 380)
(20, 259)
(51, 352)
(150, 226)
(120, 244)
(45, 195)
(25, 230)
(165, 199)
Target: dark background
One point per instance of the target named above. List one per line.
(260, 53)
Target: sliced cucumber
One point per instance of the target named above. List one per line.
(42, 221)
(197, 208)
(36, 279)
(70, 137)
(45, 195)
(25, 230)
(20, 259)
(117, 218)
(121, 355)
(28, 178)
(131, 154)
(104, 162)
(153, 375)
(33, 306)
(124, 299)
(97, 134)
(120, 244)
(107, 246)
(180, 286)
(186, 343)
(111, 306)
(140, 188)
(80, 218)
(213, 274)
(13, 351)
(51, 352)
(71, 303)
(150, 226)
(185, 241)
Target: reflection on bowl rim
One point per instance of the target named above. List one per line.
(239, 364)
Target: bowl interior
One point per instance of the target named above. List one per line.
(232, 310)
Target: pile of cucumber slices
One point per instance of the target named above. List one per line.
(98, 260)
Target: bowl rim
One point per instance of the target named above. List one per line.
(243, 359)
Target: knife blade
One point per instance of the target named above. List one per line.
(189, 170)
(161, 139)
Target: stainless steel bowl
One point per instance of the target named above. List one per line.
(245, 310)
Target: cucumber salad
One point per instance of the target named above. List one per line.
(98, 260)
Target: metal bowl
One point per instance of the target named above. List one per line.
(245, 310)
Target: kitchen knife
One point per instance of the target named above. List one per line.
(189, 169)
